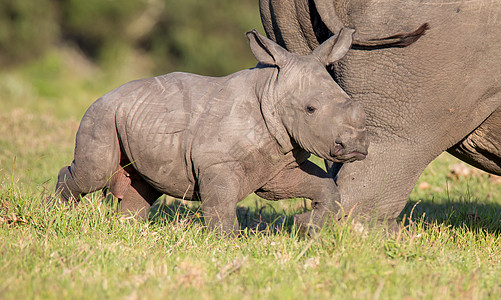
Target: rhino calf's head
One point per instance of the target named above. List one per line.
(303, 105)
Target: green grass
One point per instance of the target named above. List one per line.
(91, 253)
(450, 248)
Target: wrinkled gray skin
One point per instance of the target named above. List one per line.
(441, 93)
(221, 139)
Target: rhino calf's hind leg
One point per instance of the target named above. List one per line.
(67, 186)
(73, 182)
(97, 154)
(135, 194)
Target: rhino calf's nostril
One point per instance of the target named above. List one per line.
(338, 148)
(340, 143)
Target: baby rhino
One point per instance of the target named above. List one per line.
(220, 139)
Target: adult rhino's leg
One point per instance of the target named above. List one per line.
(381, 184)
(306, 181)
(97, 154)
(482, 147)
(378, 187)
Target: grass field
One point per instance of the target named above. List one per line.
(450, 247)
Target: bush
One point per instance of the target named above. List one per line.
(27, 29)
(197, 36)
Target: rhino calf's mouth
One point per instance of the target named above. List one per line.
(350, 157)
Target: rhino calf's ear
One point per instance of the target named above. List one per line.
(266, 51)
(335, 47)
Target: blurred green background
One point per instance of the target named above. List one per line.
(53, 48)
(196, 36)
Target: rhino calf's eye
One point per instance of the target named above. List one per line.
(310, 109)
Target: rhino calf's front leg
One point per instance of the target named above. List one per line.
(220, 191)
(306, 181)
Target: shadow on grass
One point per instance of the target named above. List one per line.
(255, 215)
(259, 215)
(460, 214)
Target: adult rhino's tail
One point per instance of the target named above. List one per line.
(97, 153)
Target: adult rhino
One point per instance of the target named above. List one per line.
(442, 93)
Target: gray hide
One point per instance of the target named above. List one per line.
(441, 93)
(221, 139)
